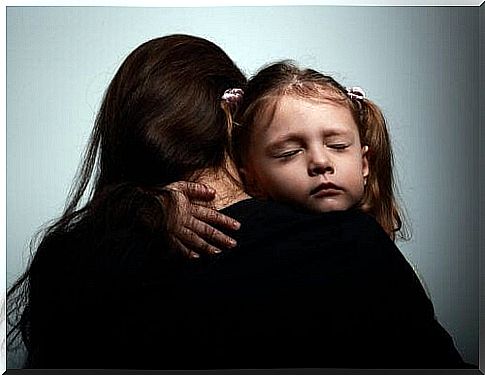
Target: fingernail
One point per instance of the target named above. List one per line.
(216, 251)
(194, 255)
(236, 225)
(232, 243)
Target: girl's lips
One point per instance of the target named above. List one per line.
(326, 193)
(325, 189)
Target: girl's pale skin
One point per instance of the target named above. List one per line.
(309, 155)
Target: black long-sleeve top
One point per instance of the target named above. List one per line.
(300, 290)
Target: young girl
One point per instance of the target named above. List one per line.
(303, 139)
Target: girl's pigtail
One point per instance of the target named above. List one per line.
(379, 199)
(230, 102)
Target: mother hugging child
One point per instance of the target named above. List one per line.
(186, 154)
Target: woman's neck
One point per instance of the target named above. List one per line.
(226, 183)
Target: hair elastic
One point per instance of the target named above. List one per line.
(356, 93)
(233, 96)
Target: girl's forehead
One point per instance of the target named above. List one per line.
(287, 101)
(298, 103)
(296, 112)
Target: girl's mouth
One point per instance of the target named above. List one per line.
(325, 189)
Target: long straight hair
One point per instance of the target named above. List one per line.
(160, 121)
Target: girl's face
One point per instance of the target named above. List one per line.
(309, 155)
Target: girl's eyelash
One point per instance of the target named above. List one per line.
(339, 146)
(287, 154)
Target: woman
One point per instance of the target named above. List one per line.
(109, 286)
(160, 121)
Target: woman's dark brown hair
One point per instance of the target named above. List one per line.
(160, 121)
(285, 78)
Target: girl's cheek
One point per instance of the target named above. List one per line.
(278, 175)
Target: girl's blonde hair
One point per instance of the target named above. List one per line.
(285, 78)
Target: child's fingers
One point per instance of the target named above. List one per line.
(213, 217)
(192, 240)
(208, 204)
(211, 234)
(193, 190)
(184, 249)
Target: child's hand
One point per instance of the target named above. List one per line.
(190, 219)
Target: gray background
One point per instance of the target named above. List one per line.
(421, 65)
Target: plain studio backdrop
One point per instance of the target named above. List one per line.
(420, 65)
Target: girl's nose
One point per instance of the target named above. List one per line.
(320, 163)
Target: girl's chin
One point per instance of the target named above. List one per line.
(329, 205)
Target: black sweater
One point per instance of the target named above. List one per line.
(300, 290)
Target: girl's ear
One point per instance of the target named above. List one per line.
(365, 162)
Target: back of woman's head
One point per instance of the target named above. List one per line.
(285, 78)
(161, 118)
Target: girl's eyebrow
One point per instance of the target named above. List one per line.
(339, 130)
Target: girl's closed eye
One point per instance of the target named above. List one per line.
(287, 154)
(338, 146)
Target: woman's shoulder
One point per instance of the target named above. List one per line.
(276, 231)
(262, 215)
(288, 241)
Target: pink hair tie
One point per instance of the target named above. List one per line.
(356, 93)
(232, 96)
